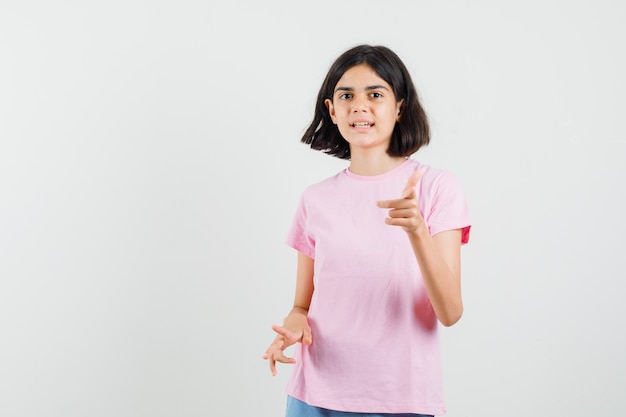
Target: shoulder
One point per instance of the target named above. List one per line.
(323, 186)
(439, 188)
(435, 177)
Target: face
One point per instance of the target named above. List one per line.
(365, 109)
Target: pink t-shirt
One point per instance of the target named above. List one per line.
(375, 336)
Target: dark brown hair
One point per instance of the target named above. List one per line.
(411, 131)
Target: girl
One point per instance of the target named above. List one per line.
(378, 252)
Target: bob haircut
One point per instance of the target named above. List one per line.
(411, 131)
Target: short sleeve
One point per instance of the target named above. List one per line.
(298, 236)
(448, 206)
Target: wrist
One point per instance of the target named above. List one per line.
(298, 310)
(420, 231)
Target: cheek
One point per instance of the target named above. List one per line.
(341, 115)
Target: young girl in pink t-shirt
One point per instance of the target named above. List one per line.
(378, 252)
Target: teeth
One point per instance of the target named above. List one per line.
(361, 124)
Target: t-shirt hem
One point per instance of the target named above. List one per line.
(402, 408)
(301, 248)
(465, 231)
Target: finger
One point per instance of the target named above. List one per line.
(409, 189)
(406, 224)
(279, 357)
(278, 344)
(384, 203)
(397, 222)
(307, 339)
(272, 366)
(278, 329)
(276, 356)
(397, 204)
(393, 204)
(283, 359)
(405, 213)
(282, 331)
(409, 192)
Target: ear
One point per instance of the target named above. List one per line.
(331, 109)
(399, 109)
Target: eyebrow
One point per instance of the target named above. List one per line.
(368, 88)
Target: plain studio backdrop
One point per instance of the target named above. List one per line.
(150, 165)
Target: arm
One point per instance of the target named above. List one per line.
(295, 326)
(438, 256)
(304, 283)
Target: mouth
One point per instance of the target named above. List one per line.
(361, 125)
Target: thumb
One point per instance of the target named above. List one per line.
(409, 189)
(307, 339)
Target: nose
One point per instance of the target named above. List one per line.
(359, 103)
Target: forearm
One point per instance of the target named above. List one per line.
(438, 260)
(298, 310)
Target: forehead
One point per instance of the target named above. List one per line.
(361, 76)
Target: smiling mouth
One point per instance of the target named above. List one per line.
(361, 124)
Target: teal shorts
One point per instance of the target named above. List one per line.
(297, 408)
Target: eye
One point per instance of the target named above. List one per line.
(376, 94)
(345, 96)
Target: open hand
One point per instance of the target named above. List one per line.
(284, 339)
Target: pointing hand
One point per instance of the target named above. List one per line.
(405, 211)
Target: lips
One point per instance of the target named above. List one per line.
(361, 124)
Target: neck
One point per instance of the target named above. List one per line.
(373, 164)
